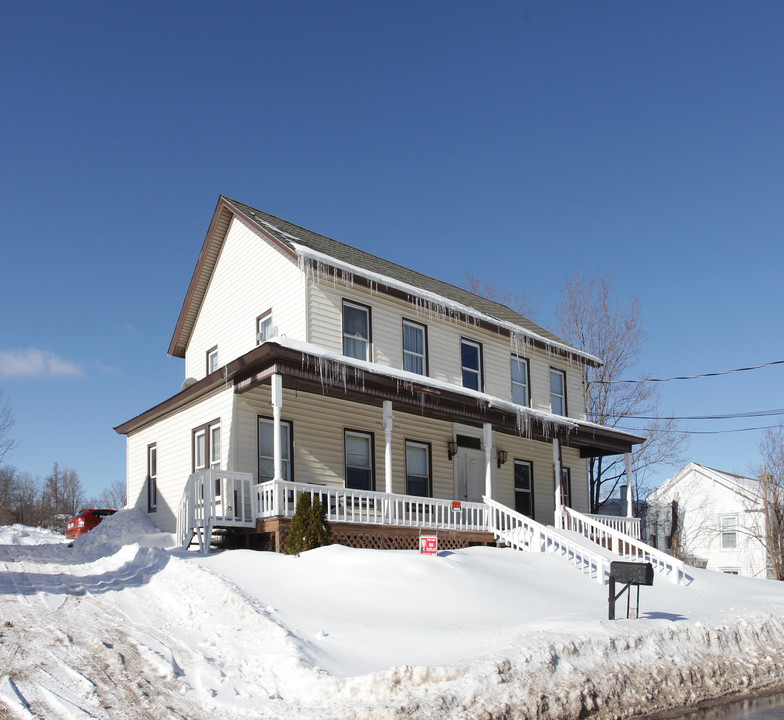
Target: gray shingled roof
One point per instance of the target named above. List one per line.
(287, 233)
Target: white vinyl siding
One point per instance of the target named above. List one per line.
(250, 277)
(173, 438)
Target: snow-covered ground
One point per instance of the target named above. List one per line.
(123, 626)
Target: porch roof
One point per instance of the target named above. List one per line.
(310, 368)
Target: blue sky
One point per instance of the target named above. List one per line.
(519, 140)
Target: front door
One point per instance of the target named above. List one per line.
(469, 474)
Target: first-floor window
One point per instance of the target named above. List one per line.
(566, 487)
(418, 469)
(267, 449)
(207, 449)
(359, 460)
(524, 487)
(729, 531)
(152, 477)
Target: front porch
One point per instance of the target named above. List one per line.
(215, 499)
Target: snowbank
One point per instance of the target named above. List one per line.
(120, 625)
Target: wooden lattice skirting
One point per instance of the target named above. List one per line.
(271, 535)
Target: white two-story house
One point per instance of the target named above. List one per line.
(405, 402)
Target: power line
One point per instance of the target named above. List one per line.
(702, 432)
(728, 416)
(687, 377)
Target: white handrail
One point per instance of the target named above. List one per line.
(277, 498)
(626, 525)
(523, 533)
(624, 545)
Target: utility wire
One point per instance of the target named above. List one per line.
(728, 416)
(702, 432)
(686, 377)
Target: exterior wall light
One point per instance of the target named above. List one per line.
(501, 457)
(451, 448)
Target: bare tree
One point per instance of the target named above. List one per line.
(7, 490)
(113, 497)
(772, 491)
(592, 319)
(7, 443)
(28, 500)
(492, 291)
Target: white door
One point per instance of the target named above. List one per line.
(469, 475)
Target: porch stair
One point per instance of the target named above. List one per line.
(623, 546)
(522, 533)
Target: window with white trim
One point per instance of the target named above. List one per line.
(524, 487)
(418, 469)
(557, 392)
(520, 394)
(263, 327)
(267, 449)
(356, 330)
(728, 524)
(152, 477)
(207, 449)
(359, 460)
(212, 360)
(414, 347)
(471, 361)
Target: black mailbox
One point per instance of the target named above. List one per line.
(631, 573)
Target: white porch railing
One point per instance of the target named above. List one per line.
(625, 525)
(215, 498)
(523, 533)
(626, 546)
(279, 499)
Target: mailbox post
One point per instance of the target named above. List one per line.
(628, 573)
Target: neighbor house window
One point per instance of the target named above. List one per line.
(471, 359)
(267, 449)
(263, 327)
(356, 330)
(212, 360)
(524, 487)
(728, 525)
(520, 381)
(418, 469)
(557, 392)
(152, 478)
(414, 348)
(359, 460)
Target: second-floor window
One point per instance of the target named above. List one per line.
(557, 392)
(356, 330)
(520, 381)
(471, 359)
(212, 360)
(414, 348)
(263, 328)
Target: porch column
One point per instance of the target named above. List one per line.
(558, 477)
(488, 441)
(388, 446)
(277, 402)
(629, 493)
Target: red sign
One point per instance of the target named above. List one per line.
(456, 506)
(428, 545)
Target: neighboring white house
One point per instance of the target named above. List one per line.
(718, 518)
(310, 361)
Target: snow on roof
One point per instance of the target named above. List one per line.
(523, 413)
(431, 301)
